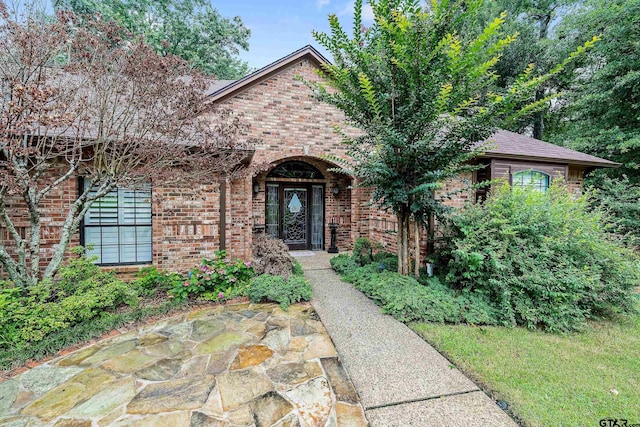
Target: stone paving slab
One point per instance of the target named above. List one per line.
(473, 409)
(240, 365)
(387, 362)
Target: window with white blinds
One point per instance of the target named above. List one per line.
(117, 227)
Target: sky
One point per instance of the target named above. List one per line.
(279, 27)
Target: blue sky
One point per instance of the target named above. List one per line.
(281, 27)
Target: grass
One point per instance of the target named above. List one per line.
(548, 379)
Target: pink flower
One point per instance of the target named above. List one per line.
(247, 263)
(203, 268)
(227, 260)
(222, 271)
(220, 295)
(232, 279)
(185, 284)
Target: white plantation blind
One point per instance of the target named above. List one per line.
(117, 227)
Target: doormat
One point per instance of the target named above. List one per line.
(297, 254)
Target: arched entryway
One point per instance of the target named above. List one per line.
(294, 210)
(296, 200)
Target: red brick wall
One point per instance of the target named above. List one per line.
(185, 225)
(291, 125)
(53, 214)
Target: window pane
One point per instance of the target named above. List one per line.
(127, 253)
(128, 235)
(273, 211)
(317, 220)
(104, 210)
(110, 243)
(92, 238)
(533, 179)
(144, 253)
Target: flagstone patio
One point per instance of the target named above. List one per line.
(242, 365)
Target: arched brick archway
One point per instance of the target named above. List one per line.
(298, 197)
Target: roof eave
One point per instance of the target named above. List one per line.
(603, 164)
(244, 83)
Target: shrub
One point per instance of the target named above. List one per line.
(280, 290)
(542, 259)
(619, 197)
(297, 269)
(408, 300)
(271, 256)
(151, 280)
(217, 276)
(389, 263)
(82, 292)
(362, 251)
(343, 264)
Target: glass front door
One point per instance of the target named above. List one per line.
(295, 214)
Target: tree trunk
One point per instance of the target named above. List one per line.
(543, 31)
(403, 242)
(416, 270)
(538, 118)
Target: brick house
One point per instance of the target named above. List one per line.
(298, 195)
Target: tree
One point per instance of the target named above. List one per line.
(422, 96)
(87, 101)
(603, 114)
(538, 43)
(190, 29)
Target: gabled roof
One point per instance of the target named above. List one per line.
(511, 145)
(503, 144)
(307, 52)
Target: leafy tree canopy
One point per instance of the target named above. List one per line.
(190, 29)
(423, 95)
(602, 116)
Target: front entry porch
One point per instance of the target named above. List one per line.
(297, 199)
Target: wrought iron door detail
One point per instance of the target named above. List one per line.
(295, 216)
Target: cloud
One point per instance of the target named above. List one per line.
(321, 3)
(367, 11)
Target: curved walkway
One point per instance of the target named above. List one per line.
(402, 380)
(241, 365)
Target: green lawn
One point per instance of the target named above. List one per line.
(547, 379)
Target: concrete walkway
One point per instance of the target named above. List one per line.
(401, 380)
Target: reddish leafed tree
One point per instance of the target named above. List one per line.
(82, 100)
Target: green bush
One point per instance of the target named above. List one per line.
(619, 198)
(389, 263)
(218, 276)
(543, 260)
(297, 269)
(277, 289)
(408, 300)
(150, 280)
(82, 292)
(362, 251)
(343, 264)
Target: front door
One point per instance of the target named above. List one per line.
(295, 214)
(295, 220)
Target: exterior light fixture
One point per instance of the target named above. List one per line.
(335, 190)
(256, 188)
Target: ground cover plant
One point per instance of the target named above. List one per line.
(523, 257)
(278, 289)
(83, 302)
